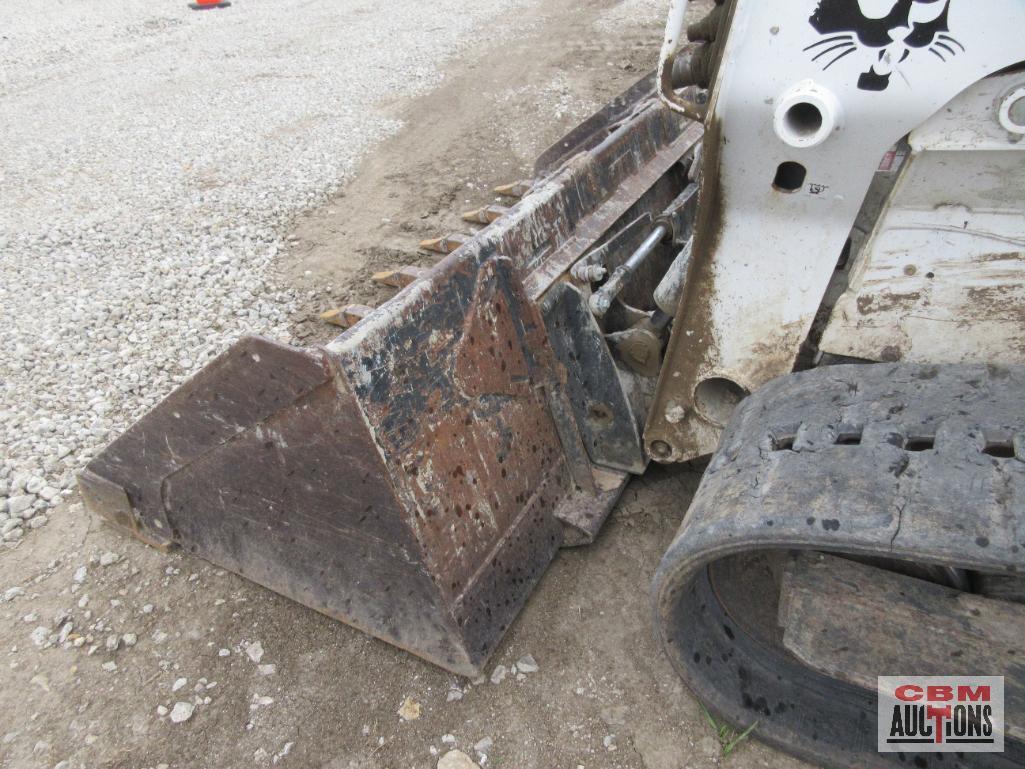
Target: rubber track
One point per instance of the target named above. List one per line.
(884, 460)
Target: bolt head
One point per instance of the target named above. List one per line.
(661, 450)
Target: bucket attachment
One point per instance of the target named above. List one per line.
(403, 480)
(415, 477)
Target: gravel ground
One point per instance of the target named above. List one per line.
(153, 161)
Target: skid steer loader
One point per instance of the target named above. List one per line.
(798, 248)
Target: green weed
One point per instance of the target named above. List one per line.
(728, 737)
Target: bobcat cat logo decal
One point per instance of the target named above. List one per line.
(896, 28)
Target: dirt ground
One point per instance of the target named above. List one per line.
(322, 694)
(496, 111)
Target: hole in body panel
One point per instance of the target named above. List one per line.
(715, 399)
(790, 177)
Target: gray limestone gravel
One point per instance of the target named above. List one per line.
(152, 162)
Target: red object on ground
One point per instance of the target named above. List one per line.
(203, 5)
